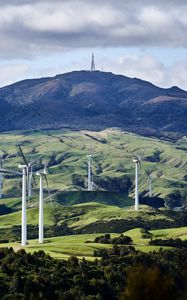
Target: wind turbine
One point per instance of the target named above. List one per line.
(137, 161)
(29, 171)
(41, 202)
(24, 197)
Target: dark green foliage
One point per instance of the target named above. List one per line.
(115, 184)
(172, 219)
(122, 272)
(156, 202)
(169, 242)
(155, 157)
(106, 239)
(5, 209)
(174, 199)
(105, 197)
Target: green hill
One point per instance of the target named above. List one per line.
(65, 152)
(110, 207)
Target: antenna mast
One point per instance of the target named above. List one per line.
(93, 63)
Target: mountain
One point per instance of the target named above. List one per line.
(93, 100)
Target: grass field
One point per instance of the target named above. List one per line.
(65, 152)
(65, 246)
(81, 215)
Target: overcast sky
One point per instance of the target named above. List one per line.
(137, 38)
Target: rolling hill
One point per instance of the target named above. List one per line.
(94, 101)
(110, 207)
(65, 153)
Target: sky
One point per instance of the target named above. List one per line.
(136, 38)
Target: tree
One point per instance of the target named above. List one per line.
(149, 284)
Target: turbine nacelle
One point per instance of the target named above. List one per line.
(20, 166)
(136, 161)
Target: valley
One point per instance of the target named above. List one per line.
(73, 215)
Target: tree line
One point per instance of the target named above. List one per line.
(118, 273)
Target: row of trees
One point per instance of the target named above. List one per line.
(120, 240)
(121, 273)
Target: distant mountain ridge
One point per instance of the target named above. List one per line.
(93, 100)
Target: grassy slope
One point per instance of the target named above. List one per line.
(112, 154)
(63, 247)
(112, 158)
(91, 213)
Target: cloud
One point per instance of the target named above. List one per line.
(144, 66)
(13, 72)
(149, 68)
(31, 28)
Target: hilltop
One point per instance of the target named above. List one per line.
(94, 101)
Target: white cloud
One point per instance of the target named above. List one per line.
(29, 28)
(145, 67)
(35, 28)
(13, 72)
(149, 68)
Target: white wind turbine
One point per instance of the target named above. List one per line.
(29, 171)
(24, 198)
(42, 175)
(137, 161)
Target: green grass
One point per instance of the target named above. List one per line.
(174, 233)
(81, 215)
(136, 235)
(112, 159)
(65, 246)
(32, 217)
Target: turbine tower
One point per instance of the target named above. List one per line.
(24, 205)
(137, 161)
(41, 222)
(93, 63)
(41, 203)
(90, 181)
(149, 181)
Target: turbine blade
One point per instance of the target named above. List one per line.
(142, 154)
(23, 156)
(34, 180)
(1, 162)
(6, 171)
(34, 161)
(139, 162)
(45, 176)
(135, 156)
